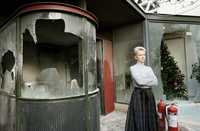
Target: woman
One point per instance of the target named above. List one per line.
(142, 114)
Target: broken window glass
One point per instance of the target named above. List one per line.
(7, 76)
(7, 64)
(7, 60)
(52, 55)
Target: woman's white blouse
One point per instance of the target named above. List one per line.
(143, 76)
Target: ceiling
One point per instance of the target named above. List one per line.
(113, 13)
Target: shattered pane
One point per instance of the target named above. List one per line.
(8, 62)
(7, 77)
(51, 66)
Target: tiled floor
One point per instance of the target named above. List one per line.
(189, 117)
(114, 121)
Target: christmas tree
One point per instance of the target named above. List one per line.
(172, 78)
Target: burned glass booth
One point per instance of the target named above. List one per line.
(48, 70)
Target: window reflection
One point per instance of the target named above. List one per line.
(182, 42)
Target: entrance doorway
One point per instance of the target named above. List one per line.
(105, 79)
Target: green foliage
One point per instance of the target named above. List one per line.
(172, 78)
(196, 71)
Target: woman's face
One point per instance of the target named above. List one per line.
(140, 56)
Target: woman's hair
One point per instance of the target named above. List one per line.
(138, 48)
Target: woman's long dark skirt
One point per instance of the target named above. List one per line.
(142, 114)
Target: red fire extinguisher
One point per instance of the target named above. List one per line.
(171, 115)
(161, 115)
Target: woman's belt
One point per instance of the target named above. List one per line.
(142, 87)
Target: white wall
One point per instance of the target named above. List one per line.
(177, 50)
